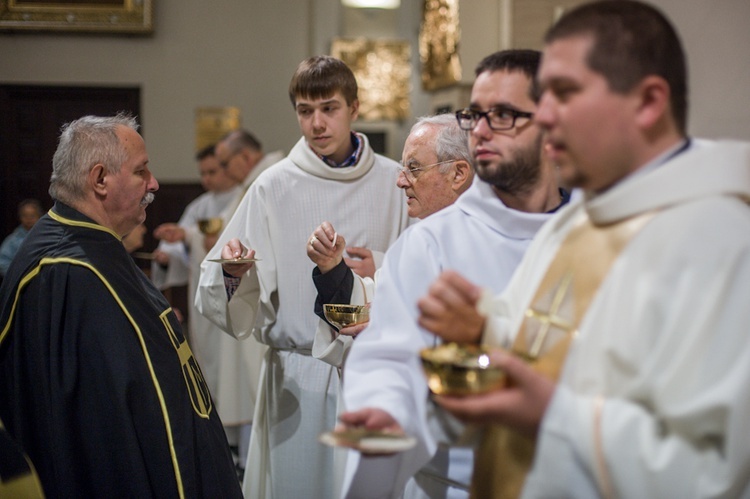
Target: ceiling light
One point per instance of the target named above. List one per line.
(372, 4)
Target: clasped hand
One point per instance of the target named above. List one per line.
(326, 250)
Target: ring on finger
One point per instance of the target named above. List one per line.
(313, 239)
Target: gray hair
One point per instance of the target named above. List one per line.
(84, 143)
(450, 141)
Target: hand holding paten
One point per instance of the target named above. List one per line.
(234, 250)
(372, 431)
(371, 419)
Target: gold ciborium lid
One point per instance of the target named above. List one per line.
(454, 369)
(341, 315)
(210, 226)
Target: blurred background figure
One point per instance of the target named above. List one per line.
(29, 211)
(182, 248)
(240, 154)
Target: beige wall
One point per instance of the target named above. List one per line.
(201, 54)
(243, 52)
(717, 40)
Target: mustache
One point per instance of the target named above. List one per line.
(147, 199)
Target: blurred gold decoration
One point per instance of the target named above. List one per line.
(439, 36)
(210, 226)
(91, 16)
(212, 123)
(383, 75)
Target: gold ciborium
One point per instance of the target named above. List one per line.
(342, 316)
(210, 226)
(454, 369)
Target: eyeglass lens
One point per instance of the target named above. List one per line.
(497, 118)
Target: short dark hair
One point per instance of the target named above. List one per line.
(523, 60)
(631, 40)
(31, 202)
(319, 77)
(240, 139)
(209, 150)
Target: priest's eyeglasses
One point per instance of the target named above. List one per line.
(413, 170)
(498, 118)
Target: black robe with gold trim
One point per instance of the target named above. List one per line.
(97, 382)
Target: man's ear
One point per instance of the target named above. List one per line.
(462, 175)
(97, 179)
(654, 101)
(355, 109)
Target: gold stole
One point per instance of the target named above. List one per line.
(551, 322)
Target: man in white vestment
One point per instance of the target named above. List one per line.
(436, 171)
(241, 155)
(640, 287)
(330, 174)
(428, 186)
(181, 249)
(484, 234)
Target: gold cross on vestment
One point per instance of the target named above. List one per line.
(550, 318)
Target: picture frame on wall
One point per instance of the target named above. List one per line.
(85, 16)
(383, 72)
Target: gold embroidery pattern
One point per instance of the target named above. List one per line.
(196, 384)
(550, 325)
(550, 319)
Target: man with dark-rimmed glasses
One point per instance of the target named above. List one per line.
(484, 233)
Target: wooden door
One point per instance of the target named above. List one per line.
(30, 121)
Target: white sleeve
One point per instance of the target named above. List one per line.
(387, 351)
(236, 317)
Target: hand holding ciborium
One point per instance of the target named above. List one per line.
(342, 316)
(460, 369)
